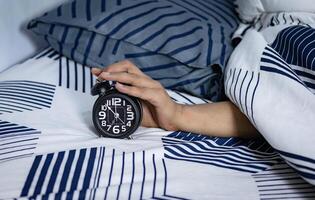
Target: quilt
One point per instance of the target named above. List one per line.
(49, 149)
(273, 84)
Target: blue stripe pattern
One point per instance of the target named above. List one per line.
(233, 153)
(249, 156)
(75, 76)
(97, 173)
(24, 95)
(272, 62)
(303, 165)
(160, 37)
(296, 46)
(241, 86)
(16, 141)
(281, 182)
(290, 44)
(291, 57)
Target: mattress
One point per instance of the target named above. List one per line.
(49, 148)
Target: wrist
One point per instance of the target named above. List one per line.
(179, 116)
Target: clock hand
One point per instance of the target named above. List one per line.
(115, 111)
(121, 120)
(113, 122)
(111, 110)
(115, 115)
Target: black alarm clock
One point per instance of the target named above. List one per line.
(115, 114)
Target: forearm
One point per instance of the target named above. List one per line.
(222, 119)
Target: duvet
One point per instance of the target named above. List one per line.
(273, 84)
(49, 149)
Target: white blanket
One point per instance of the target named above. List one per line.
(49, 149)
(274, 86)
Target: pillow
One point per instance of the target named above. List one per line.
(274, 86)
(249, 10)
(183, 44)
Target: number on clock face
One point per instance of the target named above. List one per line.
(116, 115)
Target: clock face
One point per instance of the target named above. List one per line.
(116, 115)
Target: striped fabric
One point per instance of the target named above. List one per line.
(31, 95)
(71, 162)
(174, 41)
(16, 141)
(97, 173)
(75, 76)
(247, 156)
(281, 182)
(49, 53)
(296, 45)
(274, 86)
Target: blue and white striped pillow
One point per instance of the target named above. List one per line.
(174, 41)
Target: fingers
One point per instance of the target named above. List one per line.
(96, 71)
(130, 79)
(122, 66)
(152, 95)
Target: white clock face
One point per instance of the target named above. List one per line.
(117, 115)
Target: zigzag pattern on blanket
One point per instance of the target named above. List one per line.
(24, 95)
(16, 141)
(96, 173)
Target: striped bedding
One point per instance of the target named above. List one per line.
(274, 86)
(49, 149)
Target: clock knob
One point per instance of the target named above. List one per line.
(100, 87)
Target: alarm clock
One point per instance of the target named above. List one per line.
(115, 115)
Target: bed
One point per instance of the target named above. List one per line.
(49, 148)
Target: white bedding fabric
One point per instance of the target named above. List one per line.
(274, 86)
(249, 10)
(49, 149)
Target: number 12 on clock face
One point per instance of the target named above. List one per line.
(115, 102)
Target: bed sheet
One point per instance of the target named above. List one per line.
(49, 149)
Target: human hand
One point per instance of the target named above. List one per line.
(159, 110)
